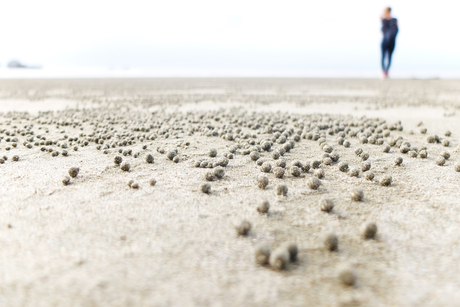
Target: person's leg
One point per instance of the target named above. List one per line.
(383, 47)
(384, 56)
(391, 48)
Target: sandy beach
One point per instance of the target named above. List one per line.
(98, 241)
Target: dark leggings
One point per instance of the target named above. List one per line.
(388, 45)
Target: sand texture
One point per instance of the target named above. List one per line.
(99, 241)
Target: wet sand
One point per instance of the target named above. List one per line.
(99, 242)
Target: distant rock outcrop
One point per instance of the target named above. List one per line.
(17, 64)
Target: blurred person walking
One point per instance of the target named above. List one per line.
(390, 30)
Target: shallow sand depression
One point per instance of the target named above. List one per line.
(98, 241)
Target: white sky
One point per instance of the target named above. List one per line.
(231, 37)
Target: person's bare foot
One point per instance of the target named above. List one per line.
(385, 74)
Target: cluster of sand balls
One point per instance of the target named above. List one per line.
(280, 134)
(279, 258)
(73, 172)
(263, 140)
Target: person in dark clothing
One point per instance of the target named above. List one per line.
(390, 30)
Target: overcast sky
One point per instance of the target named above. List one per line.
(267, 38)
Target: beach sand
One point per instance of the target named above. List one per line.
(98, 242)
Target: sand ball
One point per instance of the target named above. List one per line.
(222, 161)
(331, 242)
(315, 163)
(357, 195)
(282, 189)
(205, 188)
(263, 207)
(354, 172)
(262, 254)
(365, 166)
(445, 154)
(292, 249)
(431, 139)
(171, 154)
(423, 154)
(117, 160)
(149, 158)
(343, 166)
(295, 171)
(386, 180)
(212, 153)
(297, 163)
(66, 180)
(326, 204)
(254, 155)
(319, 173)
(457, 167)
(327, 149)
(278, 172)
(370, 230)
(281, 151)
(243, 228)
(125, 166)
(281, 163)
(327, 161)
(347, 277)
(219, 172)
(262, 182)
(313, 183)
(266, 167)
(369, 175)
(279, 258)
(73, 172)
(404, 149)
(334, 157)
(440, 161)
(209, 176)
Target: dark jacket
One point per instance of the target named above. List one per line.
(390, 28)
